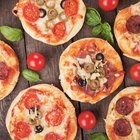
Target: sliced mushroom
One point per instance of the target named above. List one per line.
(50, 3)
(52, 14)
(40, 2)
(89, 68)
(63, 16)
(49, 24)
(94, 84)
(33, 121)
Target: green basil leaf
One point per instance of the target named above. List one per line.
(30, 75)
(98, 136)
(11, 34)
(107, 35)
(93, 18)
(106, 26)
(97, 30)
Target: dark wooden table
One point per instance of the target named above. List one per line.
(50, 73)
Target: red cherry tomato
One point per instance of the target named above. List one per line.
(59, 30)
(31, 12)
(31, 101)
(108, 5)
(22, 130)
(136, 118)
(36, 61)
(87, 120)
(71, 7)
(135, 72)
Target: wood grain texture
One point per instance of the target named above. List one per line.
(50, 73)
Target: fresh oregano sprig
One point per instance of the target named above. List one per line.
(93, 19)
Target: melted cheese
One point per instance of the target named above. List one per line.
(87, 59)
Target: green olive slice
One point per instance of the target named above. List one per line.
(102, 72)
(88, 67)
(63, 16)
(50, 3)
(94, 84)
(49, 24)
(52, 14)
(40, 2)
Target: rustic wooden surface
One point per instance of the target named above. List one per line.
(50, 73)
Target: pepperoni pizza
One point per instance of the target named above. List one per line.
(9, 69)
(123, 118)
(127, 31)
(90, 70)
(41, 112)
(51, 21)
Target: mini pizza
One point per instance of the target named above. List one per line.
(123, 117)
(90, 70)
(9, 69)
(41, 112)
(127, 31)
(51, 21)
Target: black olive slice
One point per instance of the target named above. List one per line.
(62, 4)
(99, 56)
(81, 82)
(38, 129)
(42, 12)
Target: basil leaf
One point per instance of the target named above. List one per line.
(30, 75)
(98, 136)
(106, 26)
(11, 34)
(92, 17)
(107, 35)
(97, 30)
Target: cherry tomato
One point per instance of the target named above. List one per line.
(31, 12)
(108, 5)
(31, 101)
(136, 118)
(59, 30)
(22, 129)
(135, 72)
(36, 61)
(87, 120)
(71, 7)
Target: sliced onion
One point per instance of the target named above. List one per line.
(50, 3)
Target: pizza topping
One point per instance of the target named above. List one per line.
(31, 12)
(122, 127)
(53, 136)
(71, 7)
(89, 68)
(31, 101)
(133, 24)
(136, 118)
(38, 129)
(54, 117)
(33, 121)
(49, 24)
(52, 14)
(81, 82)
(3, 71)
(62, 4)
(50, 3)
(99, 56)
(59, 30)
(22, 129)
(124, 105)
(42, 13)
(94, 84)
(63, 16)
(40, 2)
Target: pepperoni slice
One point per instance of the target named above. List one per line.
(122, 127)
(31, 12)
(59, 30)
(125, 105)
(54, 117)
(71, 7)
(53, 136)
(31, 101)
(136, 118)
(133, 24)
(22, 129)
(3, 71)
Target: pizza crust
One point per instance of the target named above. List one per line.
(77, 25)
(71, 50)
(120, 30)
(53, 90)
(9, 57)
(112, 115)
